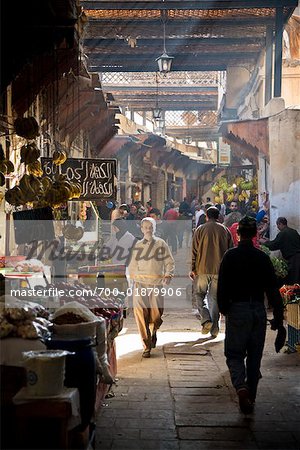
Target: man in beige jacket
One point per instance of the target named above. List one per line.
(210, 242)
(150, 268)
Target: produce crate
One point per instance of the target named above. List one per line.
(289, 292)
(293, 315)
(293, 337)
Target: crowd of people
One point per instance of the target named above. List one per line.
(173, 224)
(177, 222)
(224, 245)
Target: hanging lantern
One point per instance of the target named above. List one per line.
(156, 113)
(164, 63)
(160, 122)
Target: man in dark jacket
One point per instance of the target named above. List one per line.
(288, 242)
(242, 303)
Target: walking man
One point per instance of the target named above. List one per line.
(210, 242)
(244, 310)
(151, 267)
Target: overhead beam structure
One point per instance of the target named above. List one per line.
(187, 5)
(204, 36)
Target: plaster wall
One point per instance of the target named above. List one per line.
(291, 86)
(284, 147)
(237, 78)
(253, 103)
(263, 176)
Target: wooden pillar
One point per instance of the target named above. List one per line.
(278, 52)
(7, 150)
(269, 64)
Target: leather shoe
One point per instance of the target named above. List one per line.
(146, 353)
(280, 338)
(206, 327)
(246, 405)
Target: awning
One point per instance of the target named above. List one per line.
(131, 142)
(252, 135)
(114, 145)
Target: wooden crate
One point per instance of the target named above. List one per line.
(293, 315)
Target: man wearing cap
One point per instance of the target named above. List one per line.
(151, 267)
(244, 310)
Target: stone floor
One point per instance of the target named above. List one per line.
(182, 398)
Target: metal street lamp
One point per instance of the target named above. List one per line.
(156, 113)
(164, 61)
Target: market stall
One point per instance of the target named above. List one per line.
(291, 298)
(53, 229)
(87, 331)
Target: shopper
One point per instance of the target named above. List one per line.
(288, 242)
(118, 247)
(132, 222)
(233, 216)
(184, 207)
(210, 242)
(171, 217)
(160, 230)
(151, 267)
(242, 303)
(200, 215)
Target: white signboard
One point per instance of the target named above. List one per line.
(224, 153)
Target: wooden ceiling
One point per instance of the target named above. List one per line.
(32, 28)
(203, 37)
(208, 35)
(187, 99)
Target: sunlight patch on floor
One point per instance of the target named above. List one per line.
(131, 342)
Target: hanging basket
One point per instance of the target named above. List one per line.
(27, 127)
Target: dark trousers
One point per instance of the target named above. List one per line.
(294, 269)
(244, 343)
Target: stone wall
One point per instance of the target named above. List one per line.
(284, 142)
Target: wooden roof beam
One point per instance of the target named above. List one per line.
(139, 67)
(174, 107)
(193, 90)
(188, 49)
(187, 4)
(94, 45)
(119, 57)
(183, 23)
(205, 99)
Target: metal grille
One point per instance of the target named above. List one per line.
(191, 119)
(149, 79)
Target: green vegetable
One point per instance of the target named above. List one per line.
(265, 249)
(279, 264)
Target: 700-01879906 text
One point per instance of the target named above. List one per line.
(141, 291)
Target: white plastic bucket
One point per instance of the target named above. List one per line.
(45, 372)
